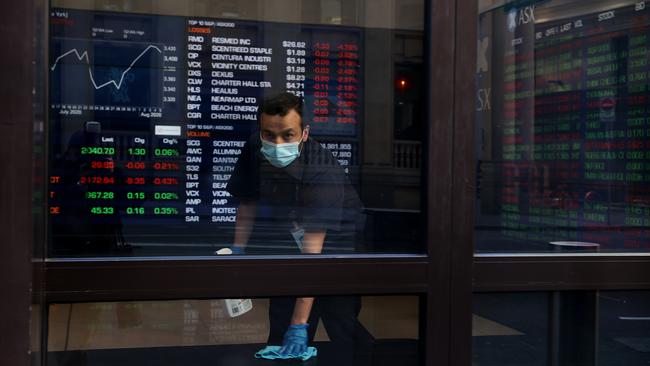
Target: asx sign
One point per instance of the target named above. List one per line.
(518, 17)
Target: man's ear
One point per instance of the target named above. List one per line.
(305, 133)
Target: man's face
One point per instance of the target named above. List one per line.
(282, 129)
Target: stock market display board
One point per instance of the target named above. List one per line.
(564, 102)
(148, 114)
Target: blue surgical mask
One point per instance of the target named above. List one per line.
(280, 155)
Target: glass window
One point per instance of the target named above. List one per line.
(352, 330)
(562, 328)
(563, 159)
(510, 329)
(251, 127)
(623, 334)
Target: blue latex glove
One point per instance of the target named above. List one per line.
(238, 250)
(294, 341)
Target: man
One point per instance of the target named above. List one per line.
(291, 194)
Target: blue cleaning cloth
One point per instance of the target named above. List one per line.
(272, 353)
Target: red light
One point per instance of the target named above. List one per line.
(402, 84)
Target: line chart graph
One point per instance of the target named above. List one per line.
(84, 56)
(110, 74)
(121, 69)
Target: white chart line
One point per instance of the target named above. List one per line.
(84, 55)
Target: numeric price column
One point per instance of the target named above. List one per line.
(347, 86)
(135, 179)
(97, 177)
(322, 78)
(637, 132)
(166, 177)
(295, 70)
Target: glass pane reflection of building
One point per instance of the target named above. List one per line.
(562, 127)
(152, 104)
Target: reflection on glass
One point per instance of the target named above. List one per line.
(563, 126)
(510, 329)
(562, 328)
(151, 106)
(624, 334)
(382, 330)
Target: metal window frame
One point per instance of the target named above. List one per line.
(16, 216)
(554, 272)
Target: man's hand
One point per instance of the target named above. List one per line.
(295, 340)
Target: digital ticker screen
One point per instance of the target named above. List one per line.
(564, 110)
(148, 115)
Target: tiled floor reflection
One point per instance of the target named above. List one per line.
(86, 326)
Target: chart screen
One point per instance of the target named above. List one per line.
(564, 127)
(149, 113)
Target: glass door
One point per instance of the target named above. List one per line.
(236, 180)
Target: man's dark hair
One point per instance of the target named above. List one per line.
(280, 104)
